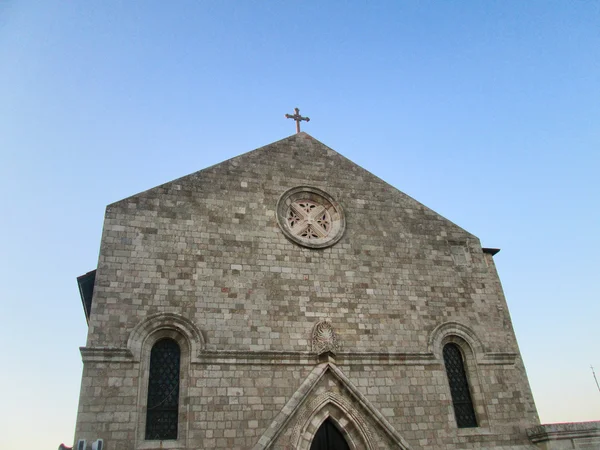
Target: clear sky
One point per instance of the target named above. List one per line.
(485, 111)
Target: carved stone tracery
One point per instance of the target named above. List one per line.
(310, 217)
(329, 404)
(324, 338)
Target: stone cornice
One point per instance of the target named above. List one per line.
(105, 354)
(498, 358)
(115, 354)
(561, 431)
(303, 358)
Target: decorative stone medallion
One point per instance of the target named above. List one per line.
(310, 217)
(324, 338)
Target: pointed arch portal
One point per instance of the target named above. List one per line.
(328, 437)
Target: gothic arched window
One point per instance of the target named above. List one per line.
(328, 437)
(459, 387)
(163, 391)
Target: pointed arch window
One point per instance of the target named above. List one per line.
(459, 387)
(328, 437)
(163, 391)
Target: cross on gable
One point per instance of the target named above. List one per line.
(297, 117)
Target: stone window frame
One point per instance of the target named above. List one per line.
(316, 195)
(184, 376)
(472, 351)
(342, 419)
(156, 366)
(141, 340)
(465, 371)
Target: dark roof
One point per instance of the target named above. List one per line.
(86, 290)
(491, 251)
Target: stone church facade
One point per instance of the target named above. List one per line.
(289, 299)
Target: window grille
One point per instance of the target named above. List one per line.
(163, 391)
(459, 387)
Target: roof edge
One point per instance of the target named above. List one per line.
(490, 251)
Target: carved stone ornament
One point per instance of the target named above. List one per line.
(310, 217)
(324, 338)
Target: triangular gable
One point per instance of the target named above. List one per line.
(300, 145)
(284, 418)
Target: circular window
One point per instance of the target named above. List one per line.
(310, 217)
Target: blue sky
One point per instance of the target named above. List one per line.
(486, 112)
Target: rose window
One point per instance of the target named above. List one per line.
(308, 220)
(310, 217)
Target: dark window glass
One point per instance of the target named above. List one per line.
(163, 391)
(459, 387)
(328, 437)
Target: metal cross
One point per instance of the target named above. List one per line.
(297, 117)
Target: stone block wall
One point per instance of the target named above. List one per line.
(203, 260)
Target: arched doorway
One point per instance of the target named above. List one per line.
(328, 437)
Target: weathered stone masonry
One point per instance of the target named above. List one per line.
(278, 334)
